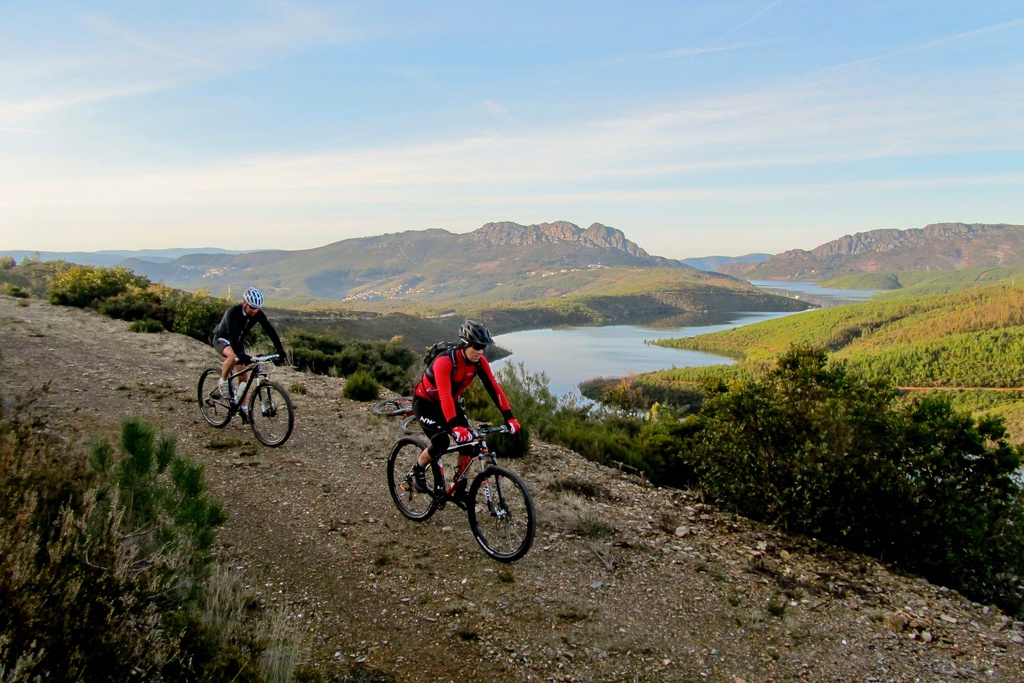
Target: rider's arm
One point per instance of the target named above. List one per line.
(264, 322)
(494, 389)
(445, 390)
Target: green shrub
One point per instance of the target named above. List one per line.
(135, 304)
(148, 325)
(33, 277)
(821, 451)
(84, 286)
(196, 314)
(106, 567)
(361, 386)
(16, 291)
(389, 363)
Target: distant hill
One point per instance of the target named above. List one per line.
(713, 263)
(111, 258)
(498, 262)
(942, 246)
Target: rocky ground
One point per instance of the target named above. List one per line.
(625, 582)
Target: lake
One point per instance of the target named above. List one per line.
(571, 355)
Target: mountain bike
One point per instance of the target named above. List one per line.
(397, 407)
(394, 407)
(264, 404)
(500, 509)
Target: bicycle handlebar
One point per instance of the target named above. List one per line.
(483, 430)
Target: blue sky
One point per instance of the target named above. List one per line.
(695, 127)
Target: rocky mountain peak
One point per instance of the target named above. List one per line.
(600, 236)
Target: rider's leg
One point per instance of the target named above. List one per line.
(229, 359)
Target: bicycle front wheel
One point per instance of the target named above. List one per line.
(215, 409)
(271, 414)
(501, 514)
(413, 504)
(394, 407)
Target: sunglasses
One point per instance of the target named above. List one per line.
(479, 347)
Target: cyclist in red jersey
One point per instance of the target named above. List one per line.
(436, 397)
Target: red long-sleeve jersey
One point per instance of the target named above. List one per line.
(450, 381)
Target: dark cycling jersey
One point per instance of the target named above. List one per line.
(447, 386)
(236, 324)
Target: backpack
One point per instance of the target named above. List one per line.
(438, 349)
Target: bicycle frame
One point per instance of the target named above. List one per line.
(482, 454)
(497, 500)
(259, 375)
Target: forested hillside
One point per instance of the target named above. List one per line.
(971, 339)
(942, 246)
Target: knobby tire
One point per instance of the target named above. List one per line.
(216, 410)
(271, 414)
(418, 507)
(505, 525)
(394, 407)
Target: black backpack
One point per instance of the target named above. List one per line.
(438, 349)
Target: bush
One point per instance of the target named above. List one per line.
(389, 363)
(16, 291)
(106, 566)
(361, 386)
(148, 325)
(196, 314)
(820, 451)
(84, 286)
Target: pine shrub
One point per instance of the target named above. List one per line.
(361, 386)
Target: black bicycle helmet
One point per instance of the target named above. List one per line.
(474, 333)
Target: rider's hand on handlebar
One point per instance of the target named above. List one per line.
(461, 434)
(513, 425)
(244, 359)
(282, 358)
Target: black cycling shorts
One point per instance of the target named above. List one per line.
(221, 343)
(434, 425)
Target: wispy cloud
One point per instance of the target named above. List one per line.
(26, 110)
(494, 107)
(123, 35)
(964, 35)
(728, 33)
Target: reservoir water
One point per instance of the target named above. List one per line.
(572, 355)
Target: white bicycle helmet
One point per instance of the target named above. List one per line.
(253, 297)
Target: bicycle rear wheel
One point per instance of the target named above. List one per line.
(414, 505)
(394, 407)
(271, 414)
(501, 514)
(215, 409)
(407, 424)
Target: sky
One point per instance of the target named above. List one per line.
(697, 127)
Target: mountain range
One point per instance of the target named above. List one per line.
(112, 257)
(940, 246)
(498, 262)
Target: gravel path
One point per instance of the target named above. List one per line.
(625, 582)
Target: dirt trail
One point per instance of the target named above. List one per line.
(625, 582)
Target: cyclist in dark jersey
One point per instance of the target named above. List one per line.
(435, 399)
(229, 336)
